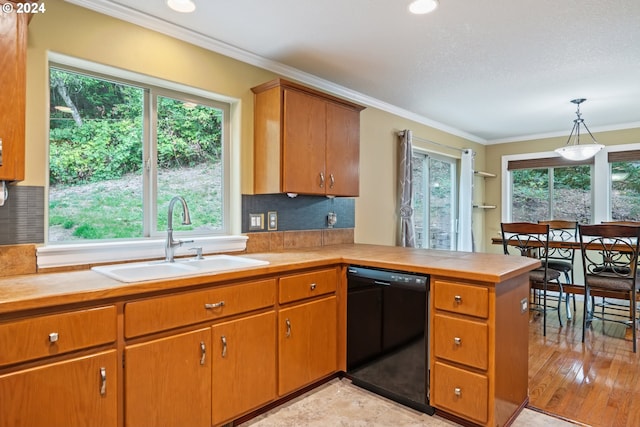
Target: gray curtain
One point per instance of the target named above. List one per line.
(406, 235)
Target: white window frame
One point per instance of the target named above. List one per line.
(65, 254)
(600, 188)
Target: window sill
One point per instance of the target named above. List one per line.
(112, 252)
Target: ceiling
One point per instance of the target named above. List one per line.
(488, 70)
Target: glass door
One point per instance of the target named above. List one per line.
(434, 201)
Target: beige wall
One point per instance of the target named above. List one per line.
(376, 220)
(80, 33)
(494, 155)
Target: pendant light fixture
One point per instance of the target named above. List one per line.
(573, 150)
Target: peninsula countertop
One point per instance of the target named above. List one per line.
(42, 290)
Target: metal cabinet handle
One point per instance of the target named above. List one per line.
(224, 346)
(457, 299)
(214, 305)
(103, 381)
(312, 286)
(457, 341)
(457, 391)
(53, 337)
(321, 179)
(203, 352)
(332, 181)
(288, 323)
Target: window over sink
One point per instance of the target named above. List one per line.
(121, 146)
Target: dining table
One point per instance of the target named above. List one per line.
(575, 288)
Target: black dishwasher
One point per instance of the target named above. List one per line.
(387, 334)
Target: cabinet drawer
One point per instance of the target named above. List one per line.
(53, 334)
(460, 340)
(461, 392)
(157, 314)
(301, 286)
(461, 298)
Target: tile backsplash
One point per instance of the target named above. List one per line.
(22, 216)
(298, 213)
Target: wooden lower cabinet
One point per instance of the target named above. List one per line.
(243, 365)
(480, 353)
(167, 381)
(307, 343)
(76, 392)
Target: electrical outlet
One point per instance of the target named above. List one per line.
(273, 221)
(256, 221)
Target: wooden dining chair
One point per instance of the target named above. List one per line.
(532, 240)
(610, 262)
(562, 259)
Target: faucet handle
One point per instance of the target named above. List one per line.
(198, 252)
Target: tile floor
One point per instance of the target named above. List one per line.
(339, 403)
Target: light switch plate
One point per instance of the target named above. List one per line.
(256, 221)
(272, 218)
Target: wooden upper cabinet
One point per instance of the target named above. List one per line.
(303, 147)
(343, 150)
(306, 142)
(13, 53)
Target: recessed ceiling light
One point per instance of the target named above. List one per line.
(420, 7)
(184, 6)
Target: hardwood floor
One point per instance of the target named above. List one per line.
(596, 383)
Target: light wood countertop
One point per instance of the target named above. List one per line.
(39, 291)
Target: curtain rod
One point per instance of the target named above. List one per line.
(462, 150)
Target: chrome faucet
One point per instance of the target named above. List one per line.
(186, 220)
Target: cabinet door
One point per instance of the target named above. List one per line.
(307, 337)
(342, 151)
(13, 51)
(77, 392)
(168, 381)
(303, 153)
(243, 365)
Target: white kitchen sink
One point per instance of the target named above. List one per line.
(156, 270)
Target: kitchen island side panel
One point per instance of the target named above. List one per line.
(511, 348)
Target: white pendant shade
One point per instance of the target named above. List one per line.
(579, 152)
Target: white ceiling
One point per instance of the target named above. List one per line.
(488, 70)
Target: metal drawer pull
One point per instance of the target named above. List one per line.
(321, 179)
(457, 341)
(53, 337)
(224, 346)
(312, 286)
(458, 299)
(288, 323)
(332, 180)
(457, 391)
(214, 305)
(203, 352)
(103, 381)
